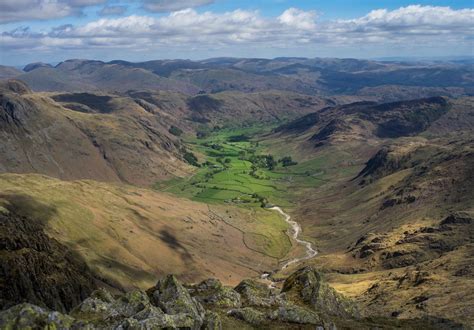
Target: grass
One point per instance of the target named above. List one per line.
(131, 236)
(226, 174)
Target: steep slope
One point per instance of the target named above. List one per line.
(392, 218)
(34, 267)
(234, 108)
(366, 121)
(41, 136)
(128, 236)
(407, 224)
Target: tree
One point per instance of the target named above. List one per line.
(175, 131)
(190, 158)
(287, 161)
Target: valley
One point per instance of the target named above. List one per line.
(205, 170)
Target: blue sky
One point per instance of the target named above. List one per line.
(54, 30)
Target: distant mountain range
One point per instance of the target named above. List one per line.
(321, 76)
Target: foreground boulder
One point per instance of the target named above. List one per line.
(27, 316)
(211, 292)
(307, 286)
(174, 299)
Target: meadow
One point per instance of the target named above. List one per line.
(236, 168)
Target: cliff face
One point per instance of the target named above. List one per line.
(36, 268)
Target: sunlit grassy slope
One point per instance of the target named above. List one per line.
(130, 236)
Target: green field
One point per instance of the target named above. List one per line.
(234, 170)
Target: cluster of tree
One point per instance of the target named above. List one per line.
(238, 138)
(263, 161)
(205, 131)
(191, 158)
(262, 200)
(175, 131)
(287, 161)
(224, 161)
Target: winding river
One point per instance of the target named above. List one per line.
(295, 232)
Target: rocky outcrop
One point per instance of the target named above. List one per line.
(15, 86)
(174, 299)
(308, 287)
(211, 292)
(37, 269)
(384, 162)
(207, 305)
(306, 301)
(333, 127)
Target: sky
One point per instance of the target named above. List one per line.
(139, 30)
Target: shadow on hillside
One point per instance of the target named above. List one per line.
(35, 267)
(173, 243)
(27, 206)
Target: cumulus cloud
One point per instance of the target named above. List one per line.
(21, 10)
(412, 25)
(162, 6)
(298, 18)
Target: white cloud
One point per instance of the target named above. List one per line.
(412, 25)
(162, 6)
(297, 18)
(21, 10)
(18, 10)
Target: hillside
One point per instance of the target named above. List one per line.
(394, 230)
(7, 72)
(128, 236)
(366, 121)
(131, 145)
(234, 108)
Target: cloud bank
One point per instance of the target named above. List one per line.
(412, 25)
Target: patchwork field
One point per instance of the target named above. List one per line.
(236, 168)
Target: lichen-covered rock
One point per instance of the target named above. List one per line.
(307, 286)
(92, 309)
(130, 304)
(173, 298)
(27, 316)
(101, 308)
(295, 314)
(212, 321)
(254, 293)
(248, 314)
(153, 318)
(211, 292)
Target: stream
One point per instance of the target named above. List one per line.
(295, 232)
